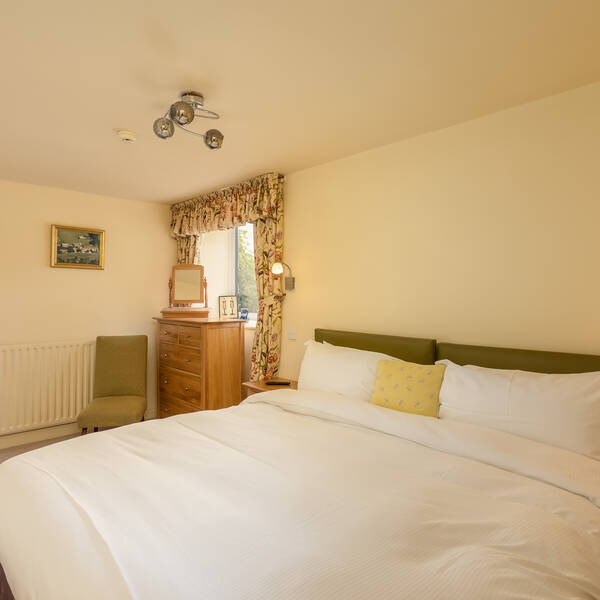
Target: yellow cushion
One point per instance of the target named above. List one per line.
(408, 387)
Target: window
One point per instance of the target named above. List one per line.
(245, 275)
(228, 259)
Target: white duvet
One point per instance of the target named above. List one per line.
(297, 496)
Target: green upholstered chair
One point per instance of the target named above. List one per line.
(119, 383)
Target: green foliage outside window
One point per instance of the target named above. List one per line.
(245, 275)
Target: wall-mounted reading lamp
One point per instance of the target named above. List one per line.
(277, 269)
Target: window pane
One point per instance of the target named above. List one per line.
(245, 276)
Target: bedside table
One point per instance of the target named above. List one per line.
(254, 387)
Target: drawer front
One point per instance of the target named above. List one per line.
(167, 333)
(167, 355)
(189, 359)
(169, 406)
(190, 336)
(180, 385)
(179, 357)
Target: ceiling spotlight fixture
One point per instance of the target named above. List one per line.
(182, 113)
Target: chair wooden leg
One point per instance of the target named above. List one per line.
(83, 430)
(95, 429)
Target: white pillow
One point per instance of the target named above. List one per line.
(345, 371)
(561, 410)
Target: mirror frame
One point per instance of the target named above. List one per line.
(187, 301)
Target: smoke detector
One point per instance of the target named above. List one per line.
(126, 136)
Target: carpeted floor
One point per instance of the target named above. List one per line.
(7, 453)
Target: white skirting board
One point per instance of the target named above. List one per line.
(37, 435)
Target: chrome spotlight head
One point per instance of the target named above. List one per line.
(164, 128)
(182, 112)
(213, 138)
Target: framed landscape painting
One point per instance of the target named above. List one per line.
(77, 247)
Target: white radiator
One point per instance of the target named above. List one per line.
(43, 385)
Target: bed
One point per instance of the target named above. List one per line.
(308, 495)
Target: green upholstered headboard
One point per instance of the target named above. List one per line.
(418, 350)
(427, 351)
(524, 360)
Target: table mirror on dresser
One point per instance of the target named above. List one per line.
(187, 287)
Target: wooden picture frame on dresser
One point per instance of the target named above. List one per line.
(200, 364)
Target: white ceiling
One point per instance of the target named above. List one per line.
(297, 83)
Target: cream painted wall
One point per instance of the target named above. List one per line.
(39, 303)
(487, 232)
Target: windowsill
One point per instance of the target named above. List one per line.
(250, 325)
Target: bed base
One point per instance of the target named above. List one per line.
(5, 593)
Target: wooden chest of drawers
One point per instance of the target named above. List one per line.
(200, 364)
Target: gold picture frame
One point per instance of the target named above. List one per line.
(76, 247)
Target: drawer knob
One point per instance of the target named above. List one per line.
(165, 356)
(188, 389)
(165, 333)
(188, 360)
(166, 410)
(187, 337)
(165, 381)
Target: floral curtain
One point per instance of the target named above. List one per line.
(258, 201)
(188, 249)
(268, 249)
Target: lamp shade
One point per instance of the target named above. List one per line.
(182, 112)
(213, 138)
(277, 268)
(164, 128)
